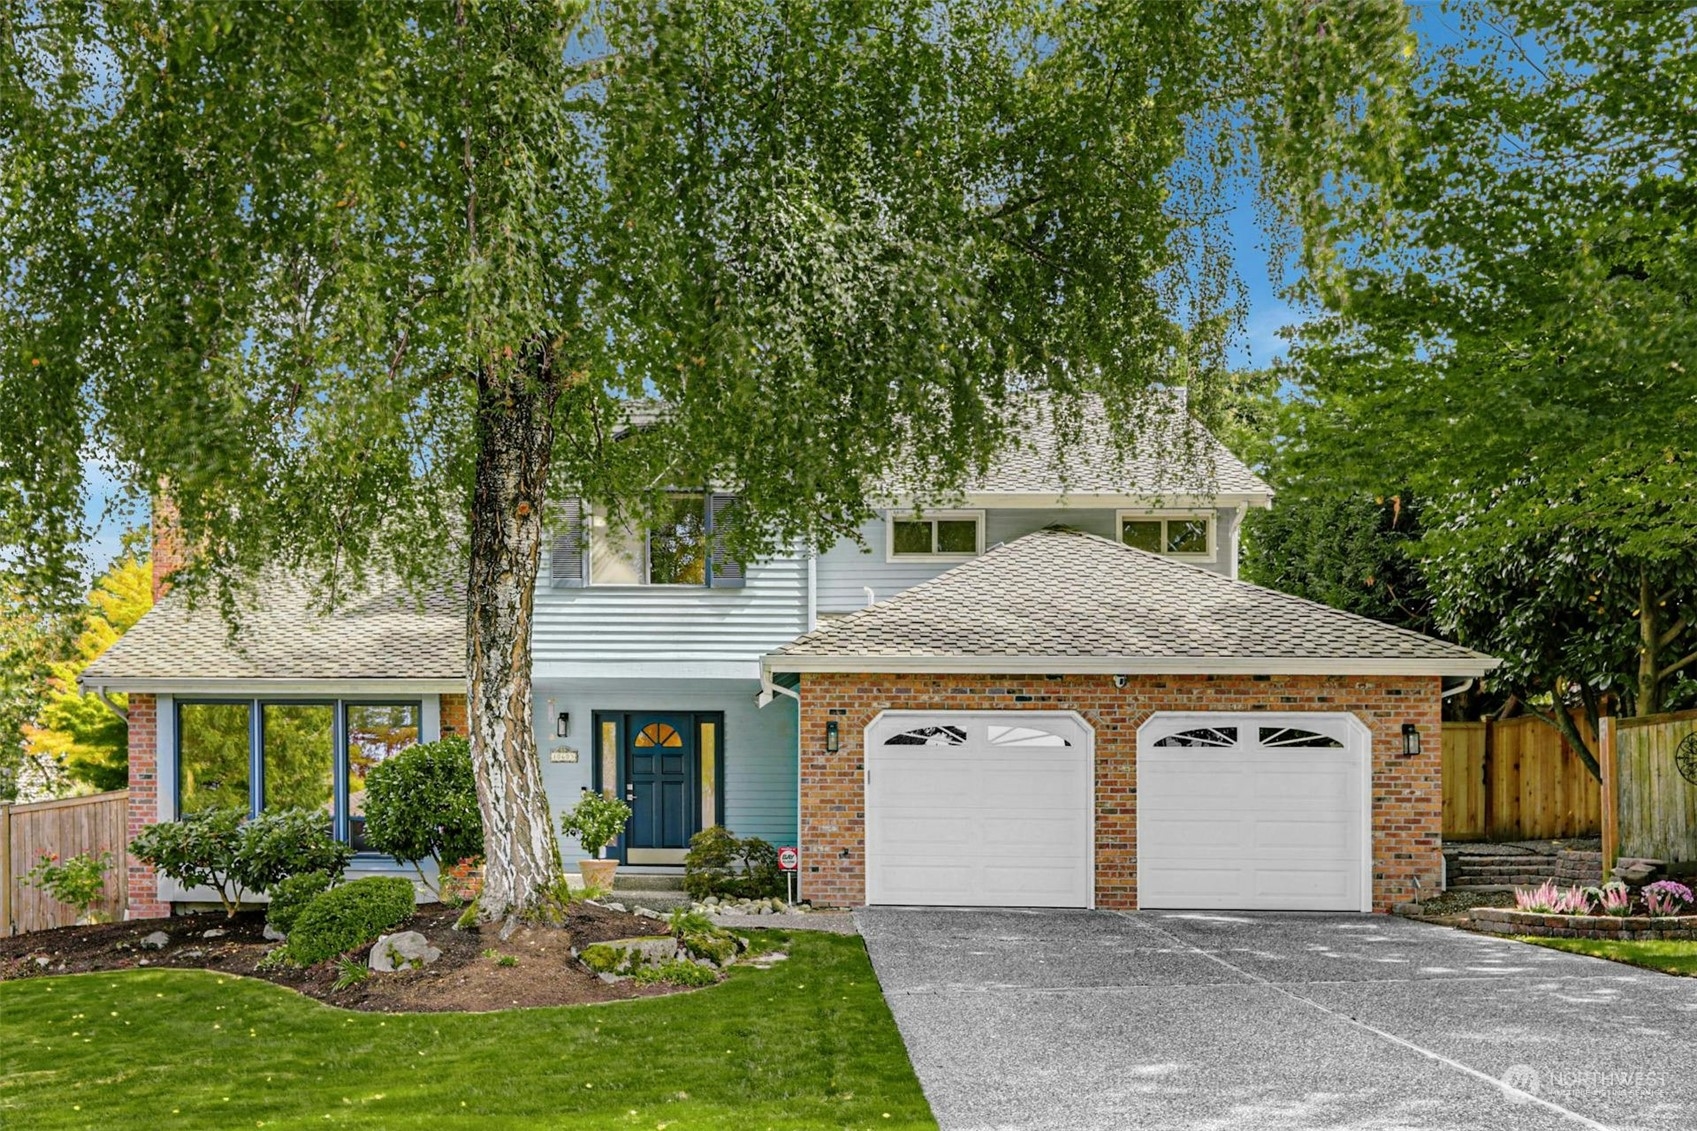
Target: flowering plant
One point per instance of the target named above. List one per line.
(1548, 899)
(79, 881)
(1613, 898)
(1666, 897)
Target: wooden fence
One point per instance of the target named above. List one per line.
(1657, 805)
(1516, 779)
(73, 825)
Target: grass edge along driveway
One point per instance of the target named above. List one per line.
(1662, 955)
(809, 1043)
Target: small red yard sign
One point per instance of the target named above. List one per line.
(788, 858)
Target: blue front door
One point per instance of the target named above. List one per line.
(662, 770)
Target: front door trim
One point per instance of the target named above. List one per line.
(621, 850)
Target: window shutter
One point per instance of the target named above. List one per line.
(724, 571)
(567, 560)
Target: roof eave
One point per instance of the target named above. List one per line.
(1127, 499)
(248, 686)
(1471, 666)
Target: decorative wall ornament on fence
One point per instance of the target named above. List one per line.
(1685, 758)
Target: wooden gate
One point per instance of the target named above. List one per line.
(93, 824)
(1516, 779)
(1658, 805)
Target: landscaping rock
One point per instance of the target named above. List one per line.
(158, 940)
(626, 956)
(214, 933)
(191, 954)
(648, 913)
(403, 950)
(272, 934)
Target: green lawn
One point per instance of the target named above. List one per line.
(809, 1043)
(1667, 957)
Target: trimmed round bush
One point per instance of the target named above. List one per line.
(290, 897)
(421, 804)
(353, 915)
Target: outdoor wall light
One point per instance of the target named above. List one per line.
(832, 738)
(562, 724)
(1410, 740)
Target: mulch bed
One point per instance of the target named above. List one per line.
(462, 979)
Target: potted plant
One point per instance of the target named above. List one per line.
(596, 820)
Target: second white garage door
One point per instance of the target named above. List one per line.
(979, 809)
(1254, 812)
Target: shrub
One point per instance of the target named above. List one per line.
(596, 820)
(350, 916)
(291, 895)
(1666, 897)
(80, 881)
(201, 850)
(286, 843)
(719, 864)
(677, 972)
(421, 805)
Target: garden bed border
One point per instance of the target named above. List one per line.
(1632, 928)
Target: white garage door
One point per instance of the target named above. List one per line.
(1264, 811)
(986, 809)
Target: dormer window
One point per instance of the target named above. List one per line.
(944, 535)
(1189, 536)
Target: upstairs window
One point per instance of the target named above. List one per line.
(672, 550)
(1174, 535)
(936, 534)
(684, 543)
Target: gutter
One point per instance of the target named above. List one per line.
(100, 694)
(1471, 667)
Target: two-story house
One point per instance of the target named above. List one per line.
(1054, 692)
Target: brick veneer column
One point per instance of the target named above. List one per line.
(143, 884)
(452, 713)
(1407, 800)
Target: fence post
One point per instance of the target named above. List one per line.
(6, 871)
(1490, 772)
(1607, 762)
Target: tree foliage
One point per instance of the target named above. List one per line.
(78, 731)
(333, 271)
(1516, 341)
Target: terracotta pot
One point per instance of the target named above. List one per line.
(598, 873)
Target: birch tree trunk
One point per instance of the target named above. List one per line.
(515, 436)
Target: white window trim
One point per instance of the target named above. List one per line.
(892, 516)
(1211, 518)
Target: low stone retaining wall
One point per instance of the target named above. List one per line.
(1635, 928)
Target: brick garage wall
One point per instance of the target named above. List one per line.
(1407, 792)
(144, 901)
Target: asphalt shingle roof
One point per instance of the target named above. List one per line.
(1059, 595)
(1168, 453)
(382, 635)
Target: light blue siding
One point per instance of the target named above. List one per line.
(845, 570)
(670, 630)
(758, 746)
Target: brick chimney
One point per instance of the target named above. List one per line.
(169, 553)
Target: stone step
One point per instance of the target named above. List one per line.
(651, 881)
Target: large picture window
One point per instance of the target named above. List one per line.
(255, 755)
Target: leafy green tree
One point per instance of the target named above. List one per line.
(1512, 335)
(335, 271)
(89, 739)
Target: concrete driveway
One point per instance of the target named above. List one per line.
(1227, 1020)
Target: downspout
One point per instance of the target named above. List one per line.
(100, 694)
(1237, 536)
(812, 591)
(1457, 690)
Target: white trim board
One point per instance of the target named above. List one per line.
(261, 688)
